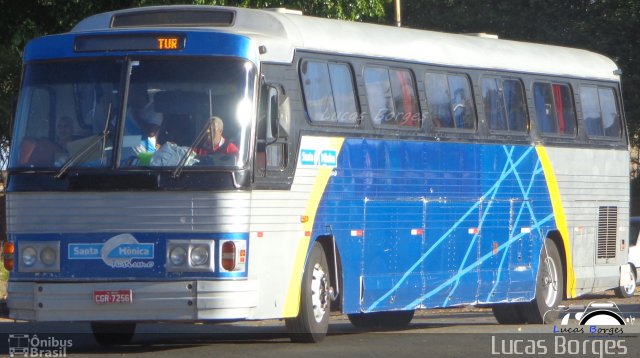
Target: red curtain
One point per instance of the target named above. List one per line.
(557, 95)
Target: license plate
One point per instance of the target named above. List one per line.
(113, 296)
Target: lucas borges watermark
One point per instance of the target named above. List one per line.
(597, 330)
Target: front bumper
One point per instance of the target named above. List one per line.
(152, 301)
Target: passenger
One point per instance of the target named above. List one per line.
(142, 119)
(214, 142)
(43, 151)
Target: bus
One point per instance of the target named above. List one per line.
(203, 164)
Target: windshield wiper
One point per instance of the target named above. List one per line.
(87, 148)
(183, 160)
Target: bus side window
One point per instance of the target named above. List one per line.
(379, 96)
(450, 101)
(317, 91)
(437, 89)
(329, 92)
(610, 116)
(392, 96)
(555, 113)
(404, 98)
(515, 105)
(600, 111)
(504, 104)
(461, 102)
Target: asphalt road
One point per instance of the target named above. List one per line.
(462, 332)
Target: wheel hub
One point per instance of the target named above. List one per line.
(550, 281)
(319, 292)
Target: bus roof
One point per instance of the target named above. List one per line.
(283, 31)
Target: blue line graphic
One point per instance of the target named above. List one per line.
(509, 169)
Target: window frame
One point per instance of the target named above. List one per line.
(470, 86)
(416, 98)
(621, 123)
(525, 132)
(556, 133)
(354, 86)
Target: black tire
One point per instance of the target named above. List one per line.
(312, 323)
(509, 313)
(628, 291)
(391, 319)
(549, 287)
(113, 333)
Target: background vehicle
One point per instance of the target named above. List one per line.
(634, 259)
(378, 171)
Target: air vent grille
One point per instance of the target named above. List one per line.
(607, 229)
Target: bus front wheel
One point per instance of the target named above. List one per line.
(312, 322)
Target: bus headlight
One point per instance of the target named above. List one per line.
(40, 256)
(178, 256)
(199, 255)
(29, 256)
(190, 256)
(48, 256)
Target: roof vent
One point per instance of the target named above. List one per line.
(283, 10)
(174, 17)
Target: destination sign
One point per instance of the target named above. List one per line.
(130, 42)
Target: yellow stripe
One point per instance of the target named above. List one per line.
(558, 213)
(292, 302)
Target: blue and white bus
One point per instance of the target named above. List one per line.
(364, 169)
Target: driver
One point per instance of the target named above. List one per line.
(214, 142)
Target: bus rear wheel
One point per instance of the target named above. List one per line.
(549, 287)
(312, 323)
(113, 333)
(628, 290)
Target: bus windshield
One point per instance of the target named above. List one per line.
(134, 114)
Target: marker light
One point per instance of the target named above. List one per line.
(228, 256)
(8, 249)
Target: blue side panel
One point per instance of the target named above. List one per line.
(435, 224)
(391, 250)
